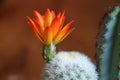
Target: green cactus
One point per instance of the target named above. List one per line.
(69, 66)
(108, 48)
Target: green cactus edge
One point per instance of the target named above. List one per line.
(108, 47)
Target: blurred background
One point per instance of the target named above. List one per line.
(20, 51)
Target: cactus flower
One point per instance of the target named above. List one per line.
(48, 28)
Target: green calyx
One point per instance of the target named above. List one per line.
(48, 52)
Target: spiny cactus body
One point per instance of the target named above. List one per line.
(70, 66)
(108, 49)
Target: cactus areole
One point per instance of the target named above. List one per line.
(108, 47)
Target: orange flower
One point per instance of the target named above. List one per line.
(48, 28)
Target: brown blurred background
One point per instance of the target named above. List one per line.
(20, 51)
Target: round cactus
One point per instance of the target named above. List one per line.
(69, 66)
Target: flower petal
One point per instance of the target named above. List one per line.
(55, 26)
(39, 27)
(59, 14)
(62, 18)
(32, 24)
(57, 23)
(49, 27)
(63, 33)
(53, 14)
(68, 32)
(34, 28)
(48, 35)
(48, 18)
(39, 19)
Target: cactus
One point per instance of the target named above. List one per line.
(49, 30)
(70, 66)
(48, 52)
(108, 47)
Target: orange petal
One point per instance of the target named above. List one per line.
(67, 26)
(39, 27)
(32, 24)
(39, 19)
(38, 36)
(68, 32)
(47, 18)
(35, 30)
(48, 35)
(55, 26)
(62, 18)
(60, 21)
(58, 37)
(63, 33)
(53, 14)
(59, 14)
